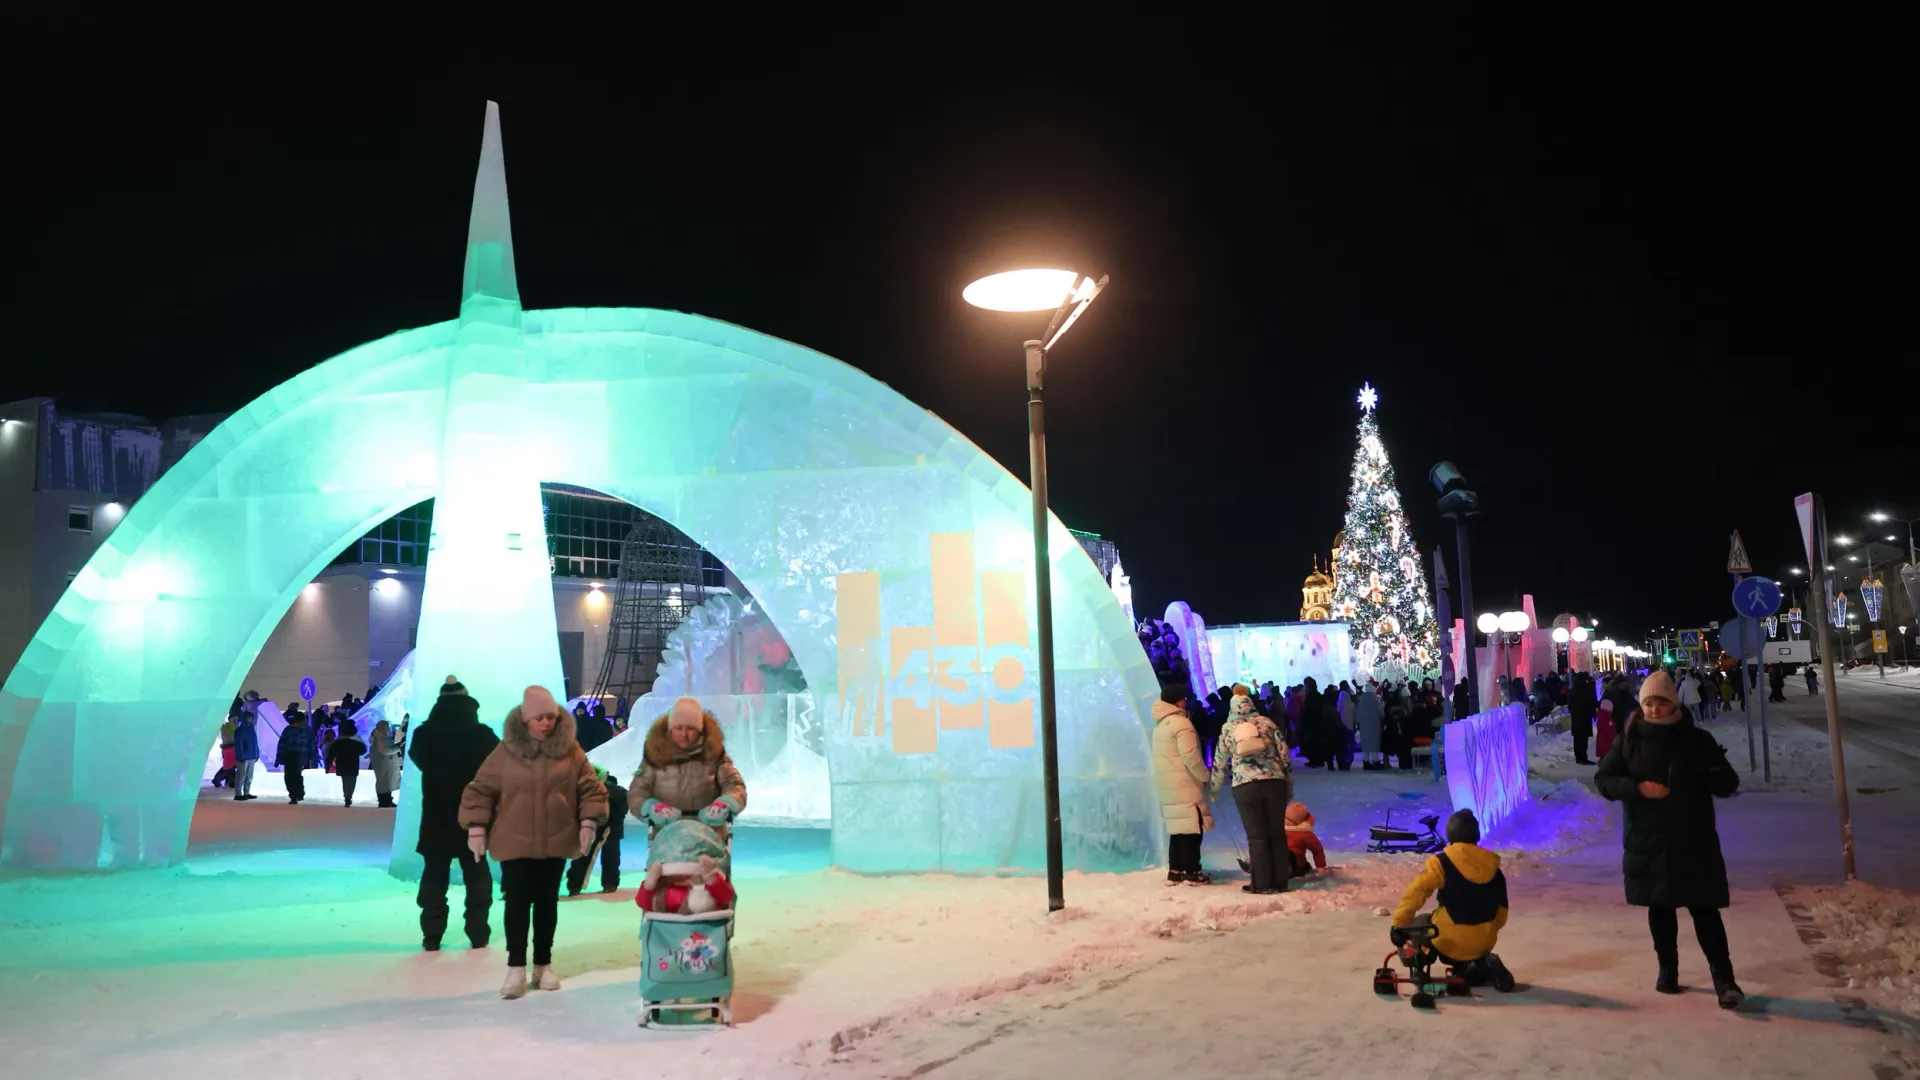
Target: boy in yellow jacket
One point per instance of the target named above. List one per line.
(1472, 905)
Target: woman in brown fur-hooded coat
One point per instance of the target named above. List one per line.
(686, 767)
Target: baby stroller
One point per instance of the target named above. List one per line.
(686, 963)
(1413, 946)
(686, 968)
(1387, 838)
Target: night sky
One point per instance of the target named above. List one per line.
(1642, 284)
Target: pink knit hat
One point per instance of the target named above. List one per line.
(1659, 685)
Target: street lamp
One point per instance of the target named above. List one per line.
(1507, 626)
(1562, 636)
(1066, 293)
(1458, 503)
(1882, 515)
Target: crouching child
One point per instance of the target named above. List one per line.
(1471, 904)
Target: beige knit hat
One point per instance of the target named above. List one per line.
(1659, 685)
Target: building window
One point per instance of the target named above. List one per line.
(80, 518)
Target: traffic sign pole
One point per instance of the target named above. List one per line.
(1816, 514)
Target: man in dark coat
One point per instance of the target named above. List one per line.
(448, 750)
(591, 729)
(1581, 708)
(1666, 773)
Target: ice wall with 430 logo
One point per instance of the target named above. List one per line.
(934, 748)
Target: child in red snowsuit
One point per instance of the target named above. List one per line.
(1301, 840)
(686, 888)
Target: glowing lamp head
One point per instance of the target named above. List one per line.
(1488, 622)
(1879, 515)
(1560, 635)
(1026, 290)
(1513, 622)
(1580, 633)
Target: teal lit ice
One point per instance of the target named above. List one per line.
(892, 554)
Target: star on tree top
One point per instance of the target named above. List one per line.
(1369, 397)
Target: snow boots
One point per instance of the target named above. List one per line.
(516, 984)
(1726, 989)
(543, 977)
(1668, 981)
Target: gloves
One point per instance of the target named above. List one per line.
(587, 832)
(659, 813)
(716, 814)
(477, 843)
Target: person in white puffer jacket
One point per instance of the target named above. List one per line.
(1690, 693)
(1179, 780)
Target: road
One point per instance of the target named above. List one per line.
(1881, 715)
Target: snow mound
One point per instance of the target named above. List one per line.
(1559, 817)
(1875, 935)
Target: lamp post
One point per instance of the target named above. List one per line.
(1881, 515)
(1507, 627)
(1562, 636)
(1067, 294)
(1458, 503)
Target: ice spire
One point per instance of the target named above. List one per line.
(490, 228)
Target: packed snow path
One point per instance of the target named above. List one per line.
(284, 941)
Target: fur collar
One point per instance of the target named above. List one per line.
(521, 743)
(661, 752)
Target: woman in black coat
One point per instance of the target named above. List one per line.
(1582, 705)
(1667, 773)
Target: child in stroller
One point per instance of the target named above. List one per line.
(1462, 930)
(686, 924)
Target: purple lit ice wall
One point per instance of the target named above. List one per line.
(1487, 764)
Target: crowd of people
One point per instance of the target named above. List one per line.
(1380, 721)
(328, 739)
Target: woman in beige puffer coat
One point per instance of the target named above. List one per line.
(535, 803)
(1179, 778)
(685, 766)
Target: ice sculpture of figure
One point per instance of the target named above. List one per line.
(892, 554)
(1193, 638)
(724, 646)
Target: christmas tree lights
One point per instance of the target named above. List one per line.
(1380, 588)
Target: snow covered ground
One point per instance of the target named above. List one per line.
(283, 945)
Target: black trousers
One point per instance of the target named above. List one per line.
(1263, 812)
(578, 870)
(296, 784)
(432, 898)
(1707, 928)
(347, 780)
(1183, 849)
(532, 887)
(1581, 733)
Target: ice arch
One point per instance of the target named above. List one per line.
(892, 553)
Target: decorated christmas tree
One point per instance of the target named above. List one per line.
(1380, 587)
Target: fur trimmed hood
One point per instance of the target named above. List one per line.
(661, 752)
(520, 742)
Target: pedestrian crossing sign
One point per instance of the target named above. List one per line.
(1879, 641)
(1689, 640)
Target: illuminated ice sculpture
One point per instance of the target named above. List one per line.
(892, 554)
(1487, 764)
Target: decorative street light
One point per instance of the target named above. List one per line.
(1066, 293)
(1562, 636)
(1507, 628)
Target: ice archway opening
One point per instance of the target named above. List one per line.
(893, 555)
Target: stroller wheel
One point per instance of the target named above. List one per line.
(1384, 984)
(1422, 1000)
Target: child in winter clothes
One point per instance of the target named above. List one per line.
(686, 872)
(343, 759)
(1472, 903)
(1301, 840)
(607, 844)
